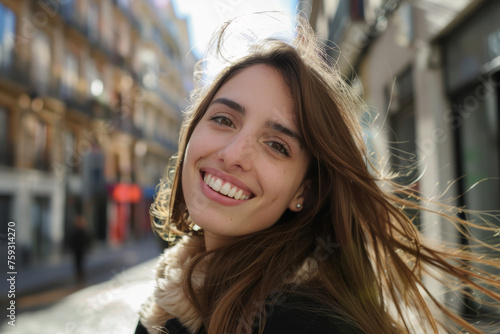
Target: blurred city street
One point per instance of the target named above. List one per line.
(108, 304)
(93, 95)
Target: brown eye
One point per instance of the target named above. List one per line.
(222, 120)
(279, 147)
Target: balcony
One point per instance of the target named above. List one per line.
(99, 110)
(73, 102)
(17, 72)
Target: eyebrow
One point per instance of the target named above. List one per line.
(230, 103)
(270, 124)
(284, 130)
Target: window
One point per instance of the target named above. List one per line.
(476, 121)
(41, 228)
(138, 117)
(403, 148)
(72, 158)
(5, 138)
(402, 135)
(68, 9)
(147, 64)
(107, 76)
(40, 145)
(40, 57)
(478, 149)
(93, 21)
(69, 77)
(6, 214)
(470, 46)
(106, 24)
(402, 122)
(7, 31)
(122, 38)
(94, 83)
(149, 121)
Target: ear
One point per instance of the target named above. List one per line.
(297, 202)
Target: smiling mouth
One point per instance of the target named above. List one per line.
(225, 188)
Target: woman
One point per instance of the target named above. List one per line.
(285, 230)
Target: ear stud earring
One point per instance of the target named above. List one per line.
(298, 206)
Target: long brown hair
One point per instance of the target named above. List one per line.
(366, 258)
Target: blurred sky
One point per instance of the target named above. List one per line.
(204, 16)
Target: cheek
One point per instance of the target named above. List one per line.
(196, 149)
(278, 186)
(188, 167)
(284, 183)
(193, 152)
(198, 144)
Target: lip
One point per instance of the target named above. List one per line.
(218, 197)
(228, 178)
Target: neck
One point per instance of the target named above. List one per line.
(213, 241)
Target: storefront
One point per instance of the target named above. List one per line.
(471, 56)
(123, 207)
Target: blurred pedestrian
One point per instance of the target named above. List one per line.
(284, 227)
(79, 246)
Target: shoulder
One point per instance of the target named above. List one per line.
(172, 326)
(299, 314)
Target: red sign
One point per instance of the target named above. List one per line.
(126, 193)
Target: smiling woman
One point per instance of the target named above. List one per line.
(246, 143)
(283, 224)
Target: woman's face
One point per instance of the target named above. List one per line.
(244, 164)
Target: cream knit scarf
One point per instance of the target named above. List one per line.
(169, 299)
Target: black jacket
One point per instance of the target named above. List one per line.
(287, 318)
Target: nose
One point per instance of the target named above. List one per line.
(239, 153)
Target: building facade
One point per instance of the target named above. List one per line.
(91, 94)
(429, 71)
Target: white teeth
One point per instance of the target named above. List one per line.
(217, 185)
(225, 189)
(232, 191)
(238, 194)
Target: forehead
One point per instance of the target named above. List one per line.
(260, 87)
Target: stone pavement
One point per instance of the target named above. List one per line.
(107, 308)
(48, 289)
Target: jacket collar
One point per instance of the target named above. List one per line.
(169, 299)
